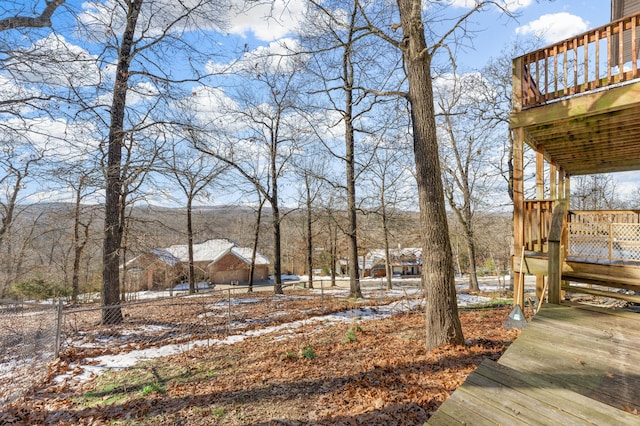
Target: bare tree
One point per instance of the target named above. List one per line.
(418, 53)
(310, 169)
(388, 174)
(466, 146)
(142, 33)
(594, 192)
(256, 237)
(260, 150)
(43, 19)
(194, 172)
(346, 63)
(83, 183)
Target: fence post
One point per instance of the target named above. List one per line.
(229, 310)
(58, 328)
(611, 240)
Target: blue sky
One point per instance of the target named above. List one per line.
(251, 31)
(552, 20)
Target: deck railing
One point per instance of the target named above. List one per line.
(610, 235)
(537, 220)
(595, 59)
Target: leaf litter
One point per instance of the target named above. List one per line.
(297, 372)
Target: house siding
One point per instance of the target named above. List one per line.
(620, 9)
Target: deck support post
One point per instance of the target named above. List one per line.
(553, 174)
(555, 272)
(518, 187)
(540, 287)
(556, 251)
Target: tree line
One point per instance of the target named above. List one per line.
(360, 115)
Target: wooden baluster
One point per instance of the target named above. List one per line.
(634, 47)
(545, 94)
(576, 87)
(555, 70)
(537, 91)
(621, 51)
(597, 59)
(585, 49)
(566, 69)
(609, 50)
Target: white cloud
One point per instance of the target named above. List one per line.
(269, 21)
(510, 5)
(210, 106)
(266, 20)
(460, 89)
(275, 58)
(12, 96)
(514, 5)
(54, 139)
(99, 20)
(54, 61)
(554, 27)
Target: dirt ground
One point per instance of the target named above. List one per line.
(359, 372)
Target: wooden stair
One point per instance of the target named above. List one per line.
(571, 365)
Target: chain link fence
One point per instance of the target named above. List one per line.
(28, 344)
(88, 335)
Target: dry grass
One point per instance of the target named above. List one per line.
(369, 372)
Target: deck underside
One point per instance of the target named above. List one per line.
(616, 274)
(570, 365)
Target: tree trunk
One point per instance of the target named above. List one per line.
(334, 253)
(277, 259)
(442, 321)
(473, 270)
(256, 236)
(111, 313)
(78, 245)
(385, 231)
(192, 271)
(309, 234)
(347, 76)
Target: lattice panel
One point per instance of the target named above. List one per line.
(626, 241)
(610, 241)
(589, 240)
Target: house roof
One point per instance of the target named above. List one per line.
(244, 253)
(209, 251)
(398, 257)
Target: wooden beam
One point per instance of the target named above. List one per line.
(539, 175)
(518, 211)
(610, 100)
(553, 175)
(602, 293)
(556, 258)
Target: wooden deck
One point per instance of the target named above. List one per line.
(572, 365)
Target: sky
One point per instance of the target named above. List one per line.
(551, 20)
(253, 33)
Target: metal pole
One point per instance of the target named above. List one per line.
(229, 311)
(58, 329)
(322, 296)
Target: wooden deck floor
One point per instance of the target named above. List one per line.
(572, 365)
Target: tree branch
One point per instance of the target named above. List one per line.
(43, 20)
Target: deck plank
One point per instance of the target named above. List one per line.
(571, 365)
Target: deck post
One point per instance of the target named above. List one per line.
(556, 252)
(539, 176)
(518, 186)
(539, 287)
(553, 173)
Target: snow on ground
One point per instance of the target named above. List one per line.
(98, 365)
